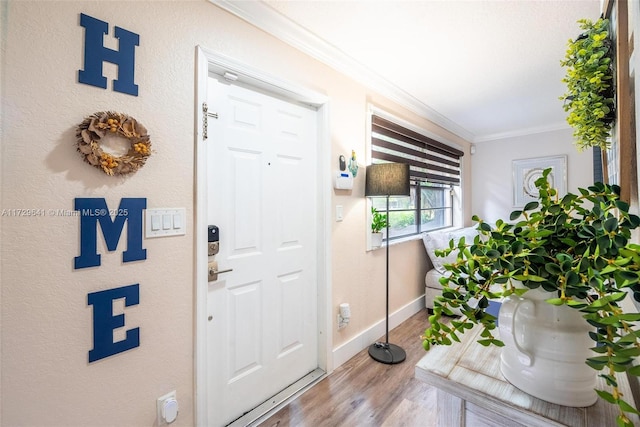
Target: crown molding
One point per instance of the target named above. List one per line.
(269, 20)
(523, 132)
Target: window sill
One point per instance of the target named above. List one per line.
(412, 238)
(397, 242)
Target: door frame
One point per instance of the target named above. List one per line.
(209, 61)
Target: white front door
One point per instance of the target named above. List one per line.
(261, 191)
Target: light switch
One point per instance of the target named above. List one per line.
(339, 213)
(165, 222)
(155, 222)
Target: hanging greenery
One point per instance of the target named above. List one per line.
(590, 92)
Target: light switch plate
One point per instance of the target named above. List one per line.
(165, 222)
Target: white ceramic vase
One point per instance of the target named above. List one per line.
(545, 350)
(376, 240)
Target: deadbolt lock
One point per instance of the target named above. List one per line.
(214, 248)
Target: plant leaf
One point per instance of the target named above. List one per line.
(611, 224)
(606, 396)
(514, 215)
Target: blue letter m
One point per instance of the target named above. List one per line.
(95, 53)
(93, 211)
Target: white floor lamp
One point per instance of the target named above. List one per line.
(387, 179)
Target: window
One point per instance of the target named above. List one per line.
(435, 178)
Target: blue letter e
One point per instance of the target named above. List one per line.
(104, 322)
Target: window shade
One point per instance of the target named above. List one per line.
(429, 160)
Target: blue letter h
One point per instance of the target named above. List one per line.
(95, 53)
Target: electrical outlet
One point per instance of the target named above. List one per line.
(342, 322)
(170, 403)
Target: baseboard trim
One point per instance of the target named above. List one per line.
(346, 351)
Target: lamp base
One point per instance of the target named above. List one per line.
(387, 353)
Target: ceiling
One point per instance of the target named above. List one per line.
(483, 69)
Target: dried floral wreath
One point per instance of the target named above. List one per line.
(95, 127)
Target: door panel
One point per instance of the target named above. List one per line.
(261, 184)
(246, 203)
(244, 324)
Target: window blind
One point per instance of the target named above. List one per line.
(429, 160)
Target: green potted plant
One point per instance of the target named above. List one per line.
(589, 99)
(378, 222)
(578, 250)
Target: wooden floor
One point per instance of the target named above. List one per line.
(363, 392)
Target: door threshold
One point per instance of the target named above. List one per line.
(268, 407)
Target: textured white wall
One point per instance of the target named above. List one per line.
(492, 193)
(46, 322)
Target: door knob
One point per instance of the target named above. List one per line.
(213, 271)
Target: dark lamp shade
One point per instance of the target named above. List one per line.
(387, 179)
